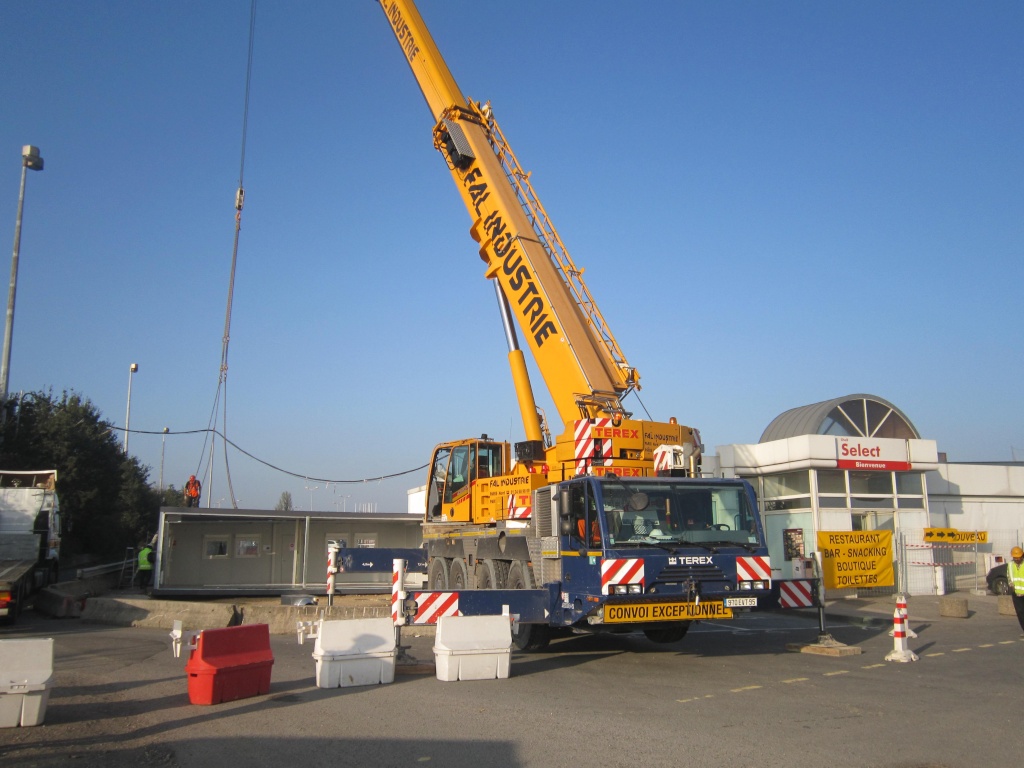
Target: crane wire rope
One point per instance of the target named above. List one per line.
(222, 381)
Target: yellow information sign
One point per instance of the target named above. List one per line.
(953, 536)
(637, 612)
(856, 559)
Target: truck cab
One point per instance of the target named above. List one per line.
(656, 553)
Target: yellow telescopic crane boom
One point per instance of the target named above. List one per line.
(583, 368)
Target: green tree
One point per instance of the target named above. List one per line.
(172, 497)
(284, 504)
(106, 501)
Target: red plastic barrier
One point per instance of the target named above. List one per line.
(229, 664)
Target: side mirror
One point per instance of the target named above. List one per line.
(564, 513)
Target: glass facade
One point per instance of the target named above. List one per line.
(840, 489)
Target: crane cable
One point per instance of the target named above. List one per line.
(222, 382)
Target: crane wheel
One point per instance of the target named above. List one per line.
(529, 637)
(457, 576)
(437, 574)
(484, 577)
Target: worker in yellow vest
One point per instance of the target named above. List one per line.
(145, 568)
(1015, 578)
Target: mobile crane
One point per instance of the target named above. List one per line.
(607, 526)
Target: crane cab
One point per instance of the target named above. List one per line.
(474, 481)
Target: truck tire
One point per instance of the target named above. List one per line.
(673, 633)
(457, 577)
(528, 637)
(484, 574)
(437, 574)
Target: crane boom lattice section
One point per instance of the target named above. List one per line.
(548, 237)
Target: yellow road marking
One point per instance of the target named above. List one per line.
(745, 688)
(873, 666)
(839, 672)
(1007, 642)
(961, 650)
(986, 645)
(797, 680)
(940, 653)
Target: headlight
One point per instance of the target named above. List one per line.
(636, 589)
(745, 585)
(620, 589)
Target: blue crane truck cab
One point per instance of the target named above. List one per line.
(610, 554)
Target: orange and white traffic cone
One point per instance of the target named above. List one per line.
(900, 651)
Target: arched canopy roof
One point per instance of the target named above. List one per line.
(852, 416)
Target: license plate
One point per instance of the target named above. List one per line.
(741, 602)
(644, 612)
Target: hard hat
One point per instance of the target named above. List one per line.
(1017, 552)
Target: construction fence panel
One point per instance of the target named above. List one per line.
(932, 568)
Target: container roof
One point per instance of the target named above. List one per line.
(857, 415)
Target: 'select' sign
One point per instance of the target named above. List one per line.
(879, 455)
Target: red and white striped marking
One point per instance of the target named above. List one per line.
(519, 506)
(796, 594)
(628, 570)
(397, 593)
(430, 606)
(901, 606)
(753, 569)
(584, 438)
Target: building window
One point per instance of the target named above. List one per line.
(247, 546)
(909, 502)
(871, 482)
(870, 490)
(910, 490)
(215, 546)
(909, 483)
(832, 502)
(832, 481)
(788, 490)
(871, 502)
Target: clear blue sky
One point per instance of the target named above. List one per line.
(775, 204)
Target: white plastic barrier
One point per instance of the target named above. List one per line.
(26, 676)
(472, 647)
(355, 652)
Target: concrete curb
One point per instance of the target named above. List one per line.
(161, 614)
(157, 614)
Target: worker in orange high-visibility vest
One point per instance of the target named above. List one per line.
(193, 490)
(1015, 579)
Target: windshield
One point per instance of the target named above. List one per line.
(678, 513)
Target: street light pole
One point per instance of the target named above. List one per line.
(163, 443)
(29, 159)
(311, 488)
(128, 414)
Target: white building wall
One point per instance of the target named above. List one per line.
(979, 497)
(416, 499)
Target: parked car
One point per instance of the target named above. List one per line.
(997, 583)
